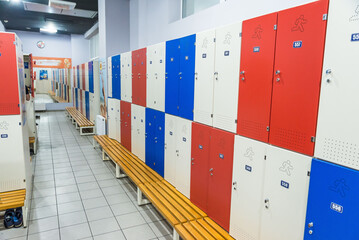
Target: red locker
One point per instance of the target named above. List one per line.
(83, 76)
(9, 95)
(126, 124)
(297, 76)
(220, 177)
(199, 169)
(255, 85)
(139, 77)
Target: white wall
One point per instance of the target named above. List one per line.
(80, 49)
(2, 28)
(154, 22)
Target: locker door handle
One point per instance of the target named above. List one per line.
(277, 72)
(235, 186)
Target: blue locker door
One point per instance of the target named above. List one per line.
(114, 76)
(186, 82)
(78, 76)
(117, 83)
(91, 85)
(159, 166)
(76, 99)
(87, 102)
(150, 136)
(332, 211)
(172, 77)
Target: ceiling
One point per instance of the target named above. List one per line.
(20, 19)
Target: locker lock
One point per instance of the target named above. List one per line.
(310, 232)
(277, 72)
(329, 71)
(235, 185)
(242, 72)
(310, 225)
(266, 202)
(211, 170)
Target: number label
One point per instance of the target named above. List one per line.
(355, 37)
(297, 44)
(336, 207)
(284, 184)
(248, 168)
(256, 49)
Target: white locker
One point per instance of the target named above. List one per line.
(87, 81)
(247, 188)
(126, 77)
(226, 83)
(118, 120)
(138, 131)
(178, 153)
(285, 194)
(337, 131)
(156, 68)
(111, 120)
(92, 102)
(109, 76)
(203, 94)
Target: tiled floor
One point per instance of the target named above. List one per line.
(76, 194)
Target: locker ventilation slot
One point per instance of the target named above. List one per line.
(253, 129)
(290, 139)
(342, 152)
(240, 233)
(223, 122)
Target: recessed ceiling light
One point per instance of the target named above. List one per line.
(48, 30)
(6, 21)
(28, 28)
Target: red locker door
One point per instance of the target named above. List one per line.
(200, 164)
(83, 76)
(126, 124)
(220, 176)
(9, 90)
(139, 77)
(255, 85)
(297, 76)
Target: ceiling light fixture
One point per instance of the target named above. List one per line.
(28, 28)
(48, 30)
(6, 21)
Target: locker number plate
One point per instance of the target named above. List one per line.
(200, 146)
(4, 136)
(297, 44)
(221, 156)
(204, 55)
(226, 53)
(256, 49)
(248, 168)
(336, 207)
(284, 184)
(355, 37)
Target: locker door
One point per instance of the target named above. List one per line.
(87, 80)
(81, 102)
(92, 113)
(332, 202)
(226, 84)
(87, 104)
(160, 143)
(172, 76)
(126, 76)
(126, 124)
(337, 121)
(200, 151)
(139, 77)
(83, 77)
(123, 75)
(296, 83)
(220, 176)
(203, 97)
(183, 160)
(150, 135)
(285, 195)
(150, 85)
(160, 76)
(111, 118)
(118, 77)
(138, 131)
(171, 151)
(91, 83)
(247, 188)
(255, 88)
(76, 99)
(118, 120)
(78, 77)
(109, 77)
(186, 76)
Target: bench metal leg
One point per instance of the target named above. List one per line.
(140, 200)
(35, 146)
(118, 172)
(89, 133)
(94, 143)
(175, 235)
(73, 121)
(24, 214)
(104, 156)
(77, 126)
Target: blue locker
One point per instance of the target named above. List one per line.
(91, 85)
(155, 140)
(78, 76)
(116, 76)
(87, 102)
(65, 91)
(76, 99)
(333, 209)
(172, 76)
(186, 82)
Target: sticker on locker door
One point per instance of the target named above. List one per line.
(248, 168)
(297, 44)
(256, 49)
(336, 207)
(200, 147)
(355, 37)
(284, 184)
(226, 53)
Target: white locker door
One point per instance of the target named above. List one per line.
(128, 78)
(337, 131)
(247, 188)
(92, 113)
(109, 76)
(150, 73)
(87, 81)
(123, 75)
(285, 194)
(203, 94)
(160, 75)
(138, 122)
(183, 159)
(226, 83)
(111, 120)
(170, 149)
(118, 120)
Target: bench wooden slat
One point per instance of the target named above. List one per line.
(12, 199)
(80, 119)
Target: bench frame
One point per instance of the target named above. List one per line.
(80, 127)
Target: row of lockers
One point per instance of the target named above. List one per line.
(61, 75)
(84, 75)
(84, 102)
(61, 90)
(252, 189)
(264, 79)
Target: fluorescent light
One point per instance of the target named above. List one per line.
(6, 21)
(48, 30)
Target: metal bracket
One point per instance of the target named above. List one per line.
(104, 156)
(175, 235)
(118, 172)
(140, 200)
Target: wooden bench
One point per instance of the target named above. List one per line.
(33, 143)
(80, 121)
(51, 93)
(59, 99)
(187, 220)
(14, 199)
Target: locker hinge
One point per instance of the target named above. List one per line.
(275, 27)
(212, 115)
(235, 121)
(325, 17)
(240, 34)
(312, 139)
(308, 173)
(267, 128)
(214, 39)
